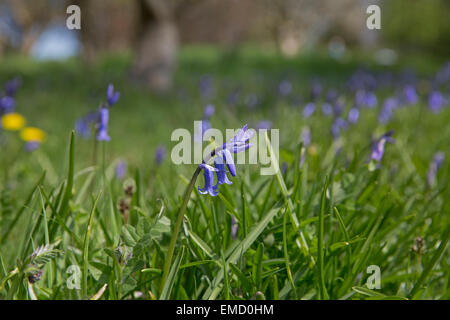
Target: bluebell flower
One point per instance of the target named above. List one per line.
(378, 146)
(309, 110)
(160, 154)
(327, 109)
(206, 86)
(264, 125)
(83, 126)
(337, 126)
(316, 90)
(208, 112)
(436, 163)
(371, 100)
(285, 87)
(11, 86)
(251, 100)
(436, 101)
(208, 174)
(353, 115)
(411, 96)
(306, 136)
(365, 99)
(7, 104)
(331, 95)
(338, 108)
(112, 96)
(221, 172)
(31, 145)
(120, 169)
(102, 125)
(387, 110)
(237, 144)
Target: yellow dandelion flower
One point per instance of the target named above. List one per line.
(29, 134)
(13, 121)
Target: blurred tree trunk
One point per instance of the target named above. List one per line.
(157, 45)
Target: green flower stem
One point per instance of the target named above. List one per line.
(177, 227)
(179, 221)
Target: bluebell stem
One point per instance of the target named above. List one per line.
(436, 163)
(102, 125)
(112, 96)
(378, 146)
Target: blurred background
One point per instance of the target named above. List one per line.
(253, 60)
(154, 31)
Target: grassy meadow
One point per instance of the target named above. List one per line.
(74, 225)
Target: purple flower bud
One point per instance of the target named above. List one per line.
(316, 90)
(11, 86)
(327, 109)
(264, 125)
(160, 154)
(112, 96)
(353, 115)
(102, 126)
(251, 100)
(309, 110)
(411, 96)
(338, 125)
(378, 146)
(121, 169)
(306, 136)
(285, 87)
(436, 101)
(7, 105)
(331, 96)
(436, 163)
(387, 110)
(31, 146)
(208, 112)
(206, 86)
